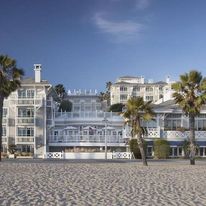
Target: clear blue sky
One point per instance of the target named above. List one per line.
(85, 43)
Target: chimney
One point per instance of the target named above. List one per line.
(168, 79)
(37, 70)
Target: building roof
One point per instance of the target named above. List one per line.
(167, 106)
(134, 84)
(130, 77)
(32, 81)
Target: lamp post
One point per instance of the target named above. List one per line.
(105, 120)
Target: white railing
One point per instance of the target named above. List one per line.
(86, 138)
(86, 155)
(54, 155)
(89, 155)
(88, 115)
(25, 120)
(24, 140)
(122, 155)
(183, 135)
(29, 101)
(153, 133)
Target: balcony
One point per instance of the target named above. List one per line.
(25, 120)
(200, 135)
(87, 115)
(28, 101)
(153, 132)
(86, 140)
(24, 140)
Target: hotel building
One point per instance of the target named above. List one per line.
(31, 120)
(126, 87)
(27, 115)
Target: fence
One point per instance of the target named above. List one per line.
(89, 155)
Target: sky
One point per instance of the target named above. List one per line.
(83, 44)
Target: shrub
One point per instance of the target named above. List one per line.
(4, 155)
(116, 107)
(12, 148)
(133, 145)
(186, 148)
(161, 149)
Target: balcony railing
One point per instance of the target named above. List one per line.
(24, 140)
(27, 101)
(86, 139)
(87, 115)
(153, 133)
(25, 120)
(183, 135)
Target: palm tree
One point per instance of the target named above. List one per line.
(9, 81)
(105, 96)
(190, 94)
(60, 90)
(136, 111)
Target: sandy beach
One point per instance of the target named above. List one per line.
(58, 182)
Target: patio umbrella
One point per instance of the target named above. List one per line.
(89, 127)
(70, 128)
(108, 128)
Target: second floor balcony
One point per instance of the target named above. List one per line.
(94, 115)
(24, 140)
(111, 139)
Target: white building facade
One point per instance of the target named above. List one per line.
(32, 122)
(126, 87)
(27, 113)
(87, 128)
(172, 124)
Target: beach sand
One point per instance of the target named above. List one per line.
(97, 182)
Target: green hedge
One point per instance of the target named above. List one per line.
(161, 149)
(133, 145)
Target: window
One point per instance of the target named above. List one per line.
(123, 89)
(136, 89)
(25, 131)
(123, 97)
(56, 133)
(23, 93)
(173, 116)
(88, 108)
(149, 98)
(200, 124)
(30, 93)
(76, 108)
(25, 112)
(4, 112)
(149, 89)
(172, 124)
(149, 151)
(3, 131)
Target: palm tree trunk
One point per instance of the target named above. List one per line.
(192, 139)
(1, 116)
(141, 144)
(142, 150)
